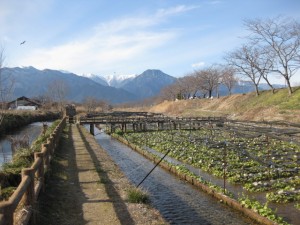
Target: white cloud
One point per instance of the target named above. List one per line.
(198, 64)
(98, 51)
(111, 44)
(174, 10)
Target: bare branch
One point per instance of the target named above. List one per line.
(282, 36)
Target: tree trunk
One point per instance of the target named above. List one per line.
(256, 90)
(271, 86)
(289, 86)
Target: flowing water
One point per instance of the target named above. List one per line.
(177, 201)
(31, 131)
(287, 211)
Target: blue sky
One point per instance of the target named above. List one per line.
(104, 37)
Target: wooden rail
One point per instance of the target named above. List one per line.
(137, 119)
(19, 207)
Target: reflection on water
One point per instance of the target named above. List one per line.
(32, 131)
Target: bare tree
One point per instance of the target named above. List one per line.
(185, 87)
(6, 86)
(169, 92)
(282, 36)
(244, 60)
(228, 78)
(208, 79)
(57, 91)
(90, 104)
(104, 106)
(264, 65)
(44, 100)
(191, 80)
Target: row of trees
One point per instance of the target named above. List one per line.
(272, 49)
(201, 82)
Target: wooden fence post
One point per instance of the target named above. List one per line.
(8, 214)
(45, 150)
(40, 171)
(29, 194)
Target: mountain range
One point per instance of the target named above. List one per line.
(31, 82)
(145, 85)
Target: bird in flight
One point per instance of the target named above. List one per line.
(22, 43)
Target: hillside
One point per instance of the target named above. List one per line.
(267, 106)
(148, 84)
(31, 82)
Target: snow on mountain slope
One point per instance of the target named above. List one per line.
(119, 80)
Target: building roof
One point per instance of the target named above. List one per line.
(26, 99)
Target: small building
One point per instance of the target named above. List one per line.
(24, 103)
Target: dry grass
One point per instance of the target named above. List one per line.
(267, 106)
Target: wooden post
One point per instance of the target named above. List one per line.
(174, 125)
(29, 193)
(52, 143)
(40, 171)
(45, 150)
(8, 214)
(92, 129)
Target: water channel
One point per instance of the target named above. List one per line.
(177, 201)
(31, 131)
(287, 211)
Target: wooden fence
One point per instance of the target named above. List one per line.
(19, 207)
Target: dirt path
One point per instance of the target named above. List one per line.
(86, 187)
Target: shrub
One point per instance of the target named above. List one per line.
(136, 195)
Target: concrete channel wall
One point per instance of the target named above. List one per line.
(19, 207)
(227, 200)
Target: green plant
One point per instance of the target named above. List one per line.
(283, 196)
(5, 193)
(261, 209)
(118, 131)
(137, 195)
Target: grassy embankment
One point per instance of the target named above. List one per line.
(10, 173)
(267, 106)
(16, 119)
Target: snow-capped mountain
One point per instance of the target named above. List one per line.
(144, 85)
(114, 80)
(97, 78)
(119, 80)
(31, 82)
